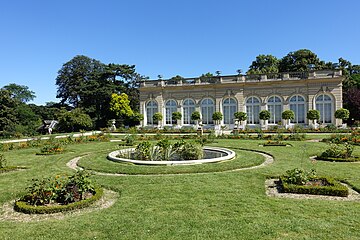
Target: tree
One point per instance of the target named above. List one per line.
(176, 116)
(313, 115)
(217, 116)
(288, 114)
(8, 117)
(299, 61)
(264, 64)
(352, 102)
(195, 116)
(240, 116)
(88, 83)
(75, 120)
(264, 115)
(119, 104)
(157, 117)
(75, 76)
(20, 92)
(206, 77)
(342, 114)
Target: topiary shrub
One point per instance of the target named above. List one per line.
(264, 115)
(217, 116)
(195, 116)
(157, 117)
(313, 115)
(176, 116)
(288, 114)
(342, 114)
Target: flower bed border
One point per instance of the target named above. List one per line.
(330, 159)
(10, 169)
(21, 206)
(336, 188)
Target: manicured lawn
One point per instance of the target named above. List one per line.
(223, 205)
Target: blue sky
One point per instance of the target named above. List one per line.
(187, 37)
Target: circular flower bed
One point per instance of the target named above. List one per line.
(58, 194)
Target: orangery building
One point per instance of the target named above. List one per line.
(276, 92)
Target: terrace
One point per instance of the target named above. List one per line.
(321, 74)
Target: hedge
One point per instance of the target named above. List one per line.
(24, 207)
(10, 168)
(331, 159)
(333, 189)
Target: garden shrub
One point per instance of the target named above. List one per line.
(337, 151)
(24, 207)
(191, 151)
(330, 187)
(60, 189)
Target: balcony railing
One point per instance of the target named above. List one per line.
(244, 78)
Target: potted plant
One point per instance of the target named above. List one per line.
(176, 116)
(288, 115)
(313, 115)
(240, 117)
(217, 117)
(264, 115)
(195, 116)
(157, 117)
(342, 114)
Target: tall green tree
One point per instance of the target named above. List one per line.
(88, 83)
(299, 61)
(8, 117)
(74, 120)
(20, 92)
(119, 104)
(264, 64)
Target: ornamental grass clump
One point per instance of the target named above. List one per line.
(164, 150)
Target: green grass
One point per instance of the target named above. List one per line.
(228, 205)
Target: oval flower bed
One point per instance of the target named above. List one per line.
(302, 182)
(59, 194)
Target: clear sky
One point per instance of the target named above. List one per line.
(167, 37)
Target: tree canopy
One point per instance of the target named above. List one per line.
(87, 83)
(264, 64)
(299, 61)
(20, 92)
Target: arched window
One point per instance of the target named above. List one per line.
(151, 109)
(188, 109)
(275, 109)
(229, 108)
(207, 110)
(297, 105)
(170, 107)
(252, 110)
(324, 104)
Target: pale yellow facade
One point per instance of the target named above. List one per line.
(320, 90)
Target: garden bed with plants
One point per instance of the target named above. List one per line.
(302, 182)
(338, 153)
(58, 194)
(275, 143)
